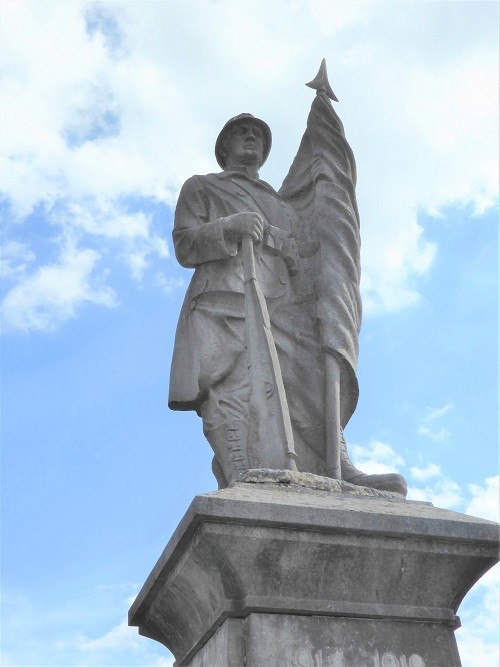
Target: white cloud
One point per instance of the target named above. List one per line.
(490, 581)
(15, 259)
(101, 112)
(331, 17)
(474, 650)
(393, 263)
(162, 662)
(121, 636)
(436, 413)
(427, 428)
(377, 458)
(107, 221)
(451, 110)
(422, 474)
(401, 139)
(443, 493)
(478, 637)
(438, 435)
(87, 629)
(54, 293)
(80, 156)
(132, 230)
(120, 640)
(481, 500)
(485, 501)
(168, 284)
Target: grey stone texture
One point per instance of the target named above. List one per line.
(271, 574)
(266, 347)
(307, 480)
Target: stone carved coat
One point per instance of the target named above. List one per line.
(200, 244)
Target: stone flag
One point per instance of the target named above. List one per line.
(320, 186)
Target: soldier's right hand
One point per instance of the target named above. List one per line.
(238, 225)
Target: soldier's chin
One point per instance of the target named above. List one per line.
(251, 156)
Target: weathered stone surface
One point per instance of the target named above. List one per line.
(296, 576)
(279, 639)
(308, 480)
(266, 346)
(225, 647)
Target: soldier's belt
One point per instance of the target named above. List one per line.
(273, 239)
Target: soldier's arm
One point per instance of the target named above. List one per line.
(198, 239)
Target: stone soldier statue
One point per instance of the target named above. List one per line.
(305, 260)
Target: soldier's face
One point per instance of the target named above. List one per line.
(245, 144)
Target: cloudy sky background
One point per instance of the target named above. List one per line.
(106, 109)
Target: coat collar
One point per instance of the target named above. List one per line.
(239, 175)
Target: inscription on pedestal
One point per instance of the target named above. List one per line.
(328, 657)
(321, 641)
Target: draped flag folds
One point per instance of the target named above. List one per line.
(320, 186)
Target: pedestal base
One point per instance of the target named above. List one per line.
(321, 641)
(273, 574)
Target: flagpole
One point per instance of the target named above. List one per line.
(333, 430)
(332, 416)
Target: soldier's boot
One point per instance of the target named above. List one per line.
(218, 474)
(385, 482)
(228, 440)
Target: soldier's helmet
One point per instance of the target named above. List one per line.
(241, 118)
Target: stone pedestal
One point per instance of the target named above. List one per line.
(265, 575)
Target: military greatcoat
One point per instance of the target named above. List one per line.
(199, 243)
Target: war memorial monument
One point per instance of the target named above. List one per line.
(299, 559)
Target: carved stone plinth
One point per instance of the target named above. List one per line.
(274, 574)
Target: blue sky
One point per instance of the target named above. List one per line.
(107, 109)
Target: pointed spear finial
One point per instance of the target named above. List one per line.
(321, 83)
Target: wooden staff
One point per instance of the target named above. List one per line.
(270, 441)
